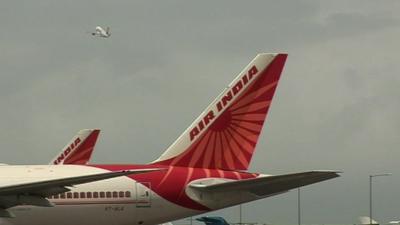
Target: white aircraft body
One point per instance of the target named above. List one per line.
(205, 169)
(100, 32)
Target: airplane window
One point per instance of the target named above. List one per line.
(69, 195)
(95, 194)
(82, 195)
(88, 194)
(50, 197)
(102, 194)
(127, 194)
(115, 194)
(76, 195)
(55, 196)
(121, 194)
(62, 195)
(108, 194)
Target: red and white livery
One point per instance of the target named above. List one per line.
(203, 170)
(79, 150)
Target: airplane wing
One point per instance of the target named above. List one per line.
(254, 188)
(35, 193)
(79, 150)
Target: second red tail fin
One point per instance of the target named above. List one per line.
(79, 150)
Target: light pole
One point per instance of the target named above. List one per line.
(240, 214)
(370, 192)
(298, 207)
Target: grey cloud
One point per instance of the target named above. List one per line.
(336, 106)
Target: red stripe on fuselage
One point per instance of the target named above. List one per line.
(175, 179)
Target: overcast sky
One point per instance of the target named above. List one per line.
(337, 105)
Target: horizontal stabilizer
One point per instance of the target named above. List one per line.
(217, 193)
(268, 185)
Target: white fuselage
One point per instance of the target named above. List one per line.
(116, 201)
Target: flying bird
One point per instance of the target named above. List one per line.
(100, 32)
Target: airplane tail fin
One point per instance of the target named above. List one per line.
(79, 150)
(108, 32)
(225, 135)
(212, 220)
